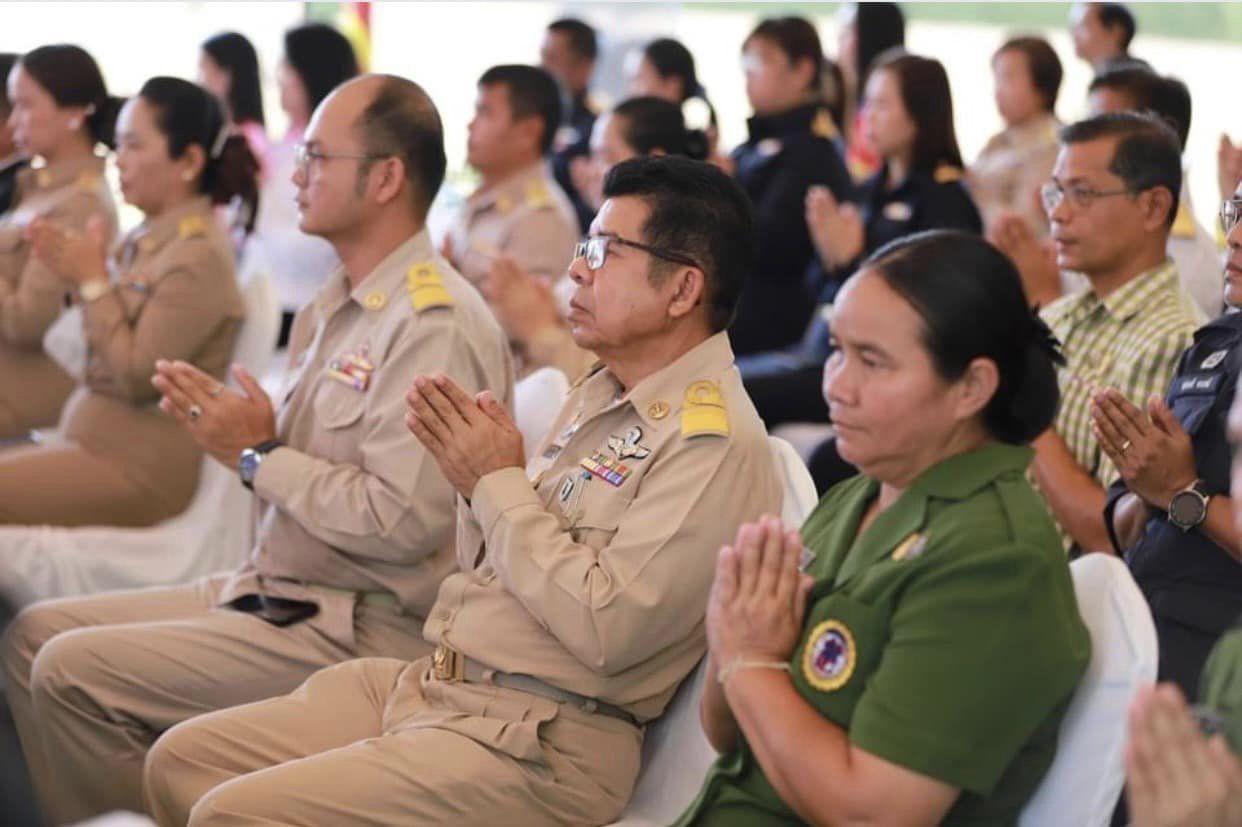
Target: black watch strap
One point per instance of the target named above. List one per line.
(267, 446)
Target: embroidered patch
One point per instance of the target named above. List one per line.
(1214, 360)
(828, 660)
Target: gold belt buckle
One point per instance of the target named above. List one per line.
(446, 664)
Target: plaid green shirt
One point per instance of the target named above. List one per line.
(1130, 340)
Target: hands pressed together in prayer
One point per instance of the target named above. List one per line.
(758, 598)
(1151, 449)
(223, 423)
(837, 230)
(524, 304)
(469, 437)
(1035, 260)
(78, 258)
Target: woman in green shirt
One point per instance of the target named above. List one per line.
(907, 657)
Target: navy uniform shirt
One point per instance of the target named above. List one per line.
(782, 158)
(573, 140)
(1190, 582)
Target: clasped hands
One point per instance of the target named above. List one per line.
(1151, 449)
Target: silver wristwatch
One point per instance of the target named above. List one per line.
(1188, 508)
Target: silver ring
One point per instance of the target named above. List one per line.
(1125, 446)
(195, 412)
(216, 391)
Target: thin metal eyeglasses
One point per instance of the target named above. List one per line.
(595, 251)
(1052, 193)
(303, 155)
(1230, 214)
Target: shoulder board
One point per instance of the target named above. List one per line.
(704, 410)
(1184, 223)
(947, 174)
(191, 226)
(537, 194)
(426, 287)
(824, 127)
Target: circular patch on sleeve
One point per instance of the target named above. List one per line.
(829, 658)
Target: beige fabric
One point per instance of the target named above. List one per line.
(1013, 165)
(390, 745)
(354, 506)
(93, 681)
(33, 388)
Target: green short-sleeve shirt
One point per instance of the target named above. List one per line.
(946, 639)
(1221, 687)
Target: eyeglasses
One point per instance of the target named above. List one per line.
(1052, 194)
(303, 155)
(594, 251)
(1230, 214)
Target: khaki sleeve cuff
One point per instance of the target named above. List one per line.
(280, 473)
(499, 492)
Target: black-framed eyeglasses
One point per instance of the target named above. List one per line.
(594, 251)
(1052, 194)
(1230, 214)
(304, 154)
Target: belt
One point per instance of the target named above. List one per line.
(447, 664)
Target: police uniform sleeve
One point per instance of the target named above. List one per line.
(976, 660)
(187, 304)
(34, 299)
(647, 588)
(395, 506)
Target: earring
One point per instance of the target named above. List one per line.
(187, 176)
(75, 124)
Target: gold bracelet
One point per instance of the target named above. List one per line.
(738, 664)
(93, 289)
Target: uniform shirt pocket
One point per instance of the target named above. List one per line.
(843, 640)
(337, 406)
(598, 510)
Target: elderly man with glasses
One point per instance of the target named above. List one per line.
(584, 570)
(357, 518)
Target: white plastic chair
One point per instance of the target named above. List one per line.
(1085, 779)
(676, 754)
(214, 533)
(537, 400)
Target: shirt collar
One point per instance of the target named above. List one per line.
(658, 398)
(88, 170)
(377, 289)
(163, 228)
(507, 193)
(1126, 301)
(961, 475)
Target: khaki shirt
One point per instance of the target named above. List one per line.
(31, 295)
(590, 571)
(526, 217)
(174, 295)
(1012, 167)
(357, 505)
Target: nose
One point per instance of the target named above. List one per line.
(579, 272)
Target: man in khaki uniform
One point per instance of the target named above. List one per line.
(351, 549)
(518, 211)
(584, 578)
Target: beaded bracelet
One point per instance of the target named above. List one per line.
(738, 664)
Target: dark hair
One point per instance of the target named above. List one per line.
(1114, 15)
(581, 36)
(532, 92)
(797, 38)
(1042, 65)
(832, 92)
(234, 53)
(970, 299)
(649, 123)
(1148, 92)
(72, 77)
(7, 61)
(1146, 154)
(926, 98)
(322, 57)
(402, 121)
(671, 59)
(880, 27)
(186, 114)
(699, 211)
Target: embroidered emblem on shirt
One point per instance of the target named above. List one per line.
(611, 471)
(911, 547)
(658, 410)
(1214, 359)
(704, 410)
(375, 301)
(353, 370)
(829, 657)
(627, 447)
(769, 147)
(898, 211)
(190, 226)
(426, 287)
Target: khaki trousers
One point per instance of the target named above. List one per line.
(382, 742)
(33, 389)
(65, 485)
(92, 682)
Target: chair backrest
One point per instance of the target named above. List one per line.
(1085, 779)
(537, 400)
(676, 754)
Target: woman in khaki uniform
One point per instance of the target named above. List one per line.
(168, 292)
(61, 111)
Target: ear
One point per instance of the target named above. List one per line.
(389, 173)
(192, 162)
(530, 130)
(689, 289)
(804, 69)
(976, 387)
(1157, 208)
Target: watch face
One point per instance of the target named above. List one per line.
(248, 464)
(1186, 509)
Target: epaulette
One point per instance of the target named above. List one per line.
(947, 174)
(191, 226)
(426, 287)
(704, 410)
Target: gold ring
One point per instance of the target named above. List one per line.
(1125, 446)
(216, 391)
(195, 412)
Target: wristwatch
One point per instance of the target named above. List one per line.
(251, 458)
(1188, 508)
